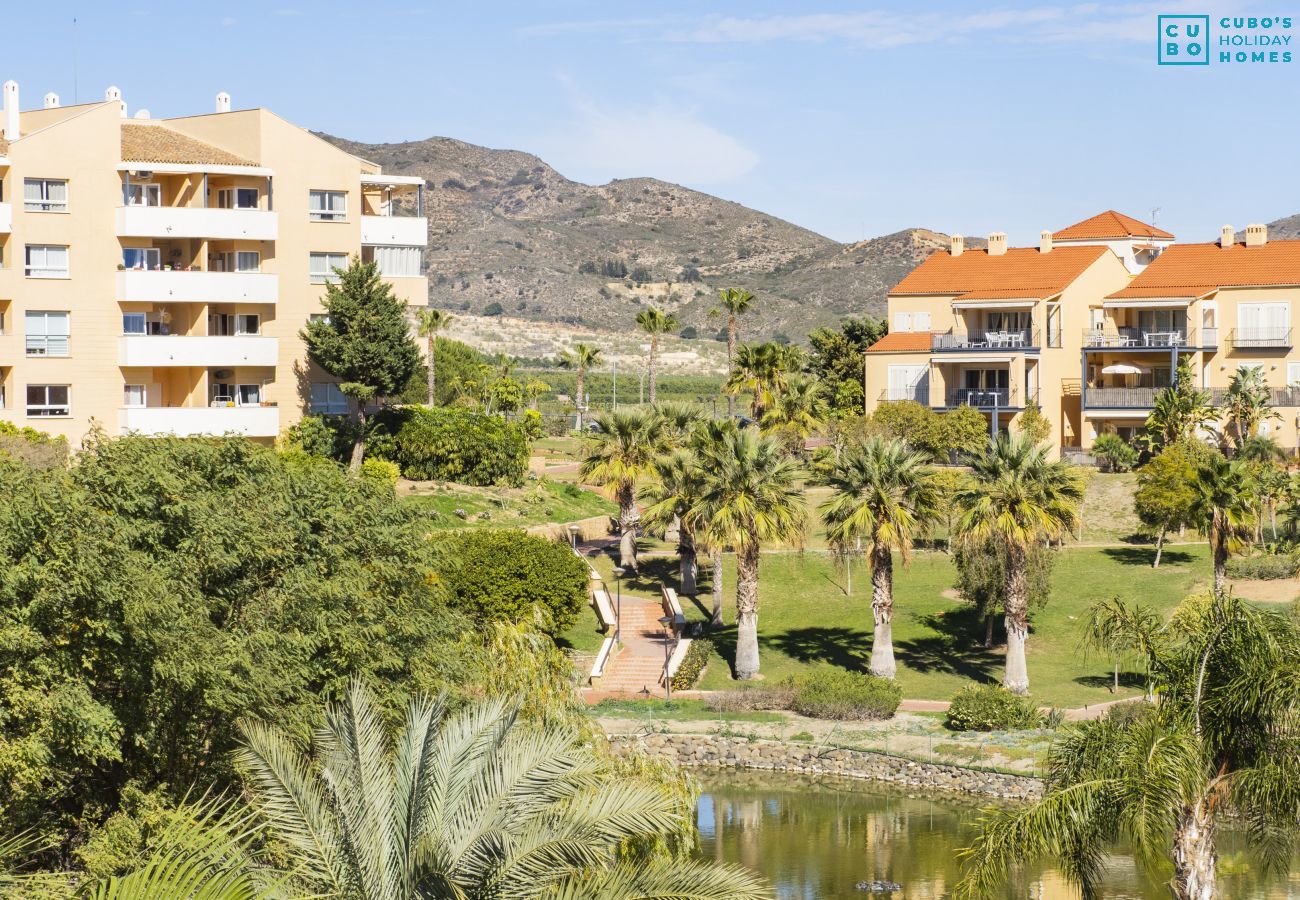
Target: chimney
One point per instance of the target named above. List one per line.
(958, 245)
(1227, 237)
(1044, 242)
(10, 90)
(51, 100)
(1256, 235)
(223, 102)
(141, 114)
(113, 95)
(998, 243)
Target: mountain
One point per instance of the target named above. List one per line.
(507, 229)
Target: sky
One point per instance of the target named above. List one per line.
(852, 119)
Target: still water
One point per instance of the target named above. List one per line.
(815, 839)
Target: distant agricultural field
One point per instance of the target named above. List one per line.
(600, 387)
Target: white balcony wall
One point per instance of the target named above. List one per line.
(403, 231)
(252, 421)
(197, 350)
(6, 218)
(196, 222)
(198, 287)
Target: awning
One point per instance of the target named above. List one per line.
(946, 358)
(994, 304)
(1116, 413)
(199, 168)
(391, 180)
(1179, 303)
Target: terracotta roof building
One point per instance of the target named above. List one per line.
(1110, 224)
(1194, 270)
(1017, 273)
(160, 144)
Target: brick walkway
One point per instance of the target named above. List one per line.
(640, 663)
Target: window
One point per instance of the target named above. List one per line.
(133, 395)
(397, 262)
(909, 383)
(1262, 324)
(46, 261)
(47, 333)
(1293, 374)
(239, 261)
(328, 400)
(1054, 325)
(322, 266)
(248, 324)
(133, 323)
(142, 258)
(902, 321)
(327, 206)
(45, 195)
(222, 394)
(237, 198)
(248, 394)
(48, 400)
(142, 194)
(319, 317)
(921, 320)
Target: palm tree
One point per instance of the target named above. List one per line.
(1247, 404)
(428, 322)
(669, 497)
(581, 358)
(1223, 507)
(1020, 498)
(680, 420)
(750, 497)
(623, 450)
(1179, 412)
(881, 492)
(736, 301)
(1222, 737)
(472, 803)
(654, 322)
(760, 369)
(797, 414)
(1117, 628)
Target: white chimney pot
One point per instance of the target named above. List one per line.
(51, 100)
(10, 90)
(1227, 236)
(958, 245)
(223, 102)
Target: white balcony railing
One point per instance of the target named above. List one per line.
(198, 350)
(196, 222)
(402, 231)
(186, 421)
(143, 286)
(6, 218)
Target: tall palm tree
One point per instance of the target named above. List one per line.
(736, 301)
(472, 803)
(670, 495)
(1246, 404)
(1020, 498)
(760, 369)
(797, 414)
(750, 497)
(1221, 737)
(428, 322)
(1180, 412)
(622, 451)
(881, 493)
(581, 358)
(1223, 506)
(654, 322)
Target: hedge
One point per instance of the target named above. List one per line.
(693, 664)
(840, 694)
(990, 707)
(1268, 567)
(453, 444)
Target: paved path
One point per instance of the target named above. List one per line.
(640, 663)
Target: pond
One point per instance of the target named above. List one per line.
(816, 838)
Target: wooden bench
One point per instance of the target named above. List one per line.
(604, 608)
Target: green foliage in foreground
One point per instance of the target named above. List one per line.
(991, 707)
(838, 694)
(454, 444)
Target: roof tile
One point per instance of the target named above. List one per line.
(1021, 271)
(1110, 224)
(159, 144)
(1193, 270)
(902, 341)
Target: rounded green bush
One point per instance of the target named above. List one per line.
(453, 444)
(840, 694)
(990, 707)
(380, 471)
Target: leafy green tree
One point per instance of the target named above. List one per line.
(881, 493)
(838, 360)
(750, 497)
(736, 301)
(1246, 404)
(679, 420)
(1223, 507)
(1034, 425)
(453, 444)
(655, 322)
(580, 359)
(982, 574)
(963, 430)
(623, 450)
(906, 419)
(1180, 412)
(672, 491)
(1119, 629)
(364, 341)
(1166, 490)
(1020, 498)
(471, 803)
(428, 322)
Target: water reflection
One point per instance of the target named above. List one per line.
(817, 838)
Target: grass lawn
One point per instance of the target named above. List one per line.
(534, 504)
(677, 711)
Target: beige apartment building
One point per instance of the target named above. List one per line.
(1090, 325)
(155, 274)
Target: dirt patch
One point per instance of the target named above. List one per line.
(1278, 590)
(950, 594)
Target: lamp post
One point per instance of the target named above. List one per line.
(573, 537)
(666, 622)
(618, 607)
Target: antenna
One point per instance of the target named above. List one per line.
(74, 60)
(1155, 211)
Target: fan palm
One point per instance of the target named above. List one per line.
(622, 451)
(1222, 737)
(1179, 412)
(581, 358)
(428, 322)
(674, 488)
(679, 419)
(654, 322)
(750, 497)
(736, 301)
(1018, 497)
(797, 414)
(759, 369)
(1246, 404)
(1223, 506)
(881, 492)
(458, 805)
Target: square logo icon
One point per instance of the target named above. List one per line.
(1183, 40)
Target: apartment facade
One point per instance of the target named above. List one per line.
(1090, 325)
(155, 274)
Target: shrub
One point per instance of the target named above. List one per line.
(1124, 714)
(380, 471)
(748, 699)
(693, 665)
(453, 444)
(840, 694)
(990, 707)
(498, 575)
(1264, 566)
(493, 309)
(690, 333)
(36, 448)
(1115, 453)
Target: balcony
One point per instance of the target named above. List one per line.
(1139, 339)
(915, 394)
(1120, 398)
(198, 350)
(188, 421)
(6, 218)
(196, 222)
(399, 231)
(1259, 339)
(983, 398)
(145, 286)
(986, 339)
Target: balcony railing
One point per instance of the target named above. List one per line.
(198, 350)
(6, 218)
(1120, 398)
(396, 230)
(187, 421)
(986, 339)
(1259, 339)
(983, 398)
(897, 395)
(145, 286)
(196, 222)
(1277, 397)
(1130, 338)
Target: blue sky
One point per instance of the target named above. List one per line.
(853, 119)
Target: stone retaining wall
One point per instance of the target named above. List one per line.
(809, 759)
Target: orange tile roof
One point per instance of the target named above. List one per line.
(902, 341)
(1193, 270)
(158, 144)
(1008, 294)
(1021, 269)
(1110, 224)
